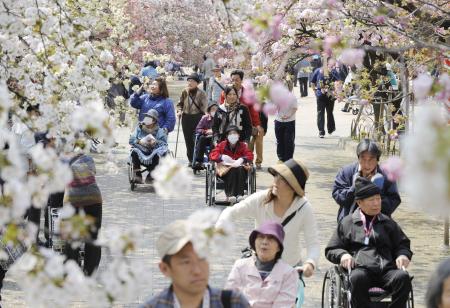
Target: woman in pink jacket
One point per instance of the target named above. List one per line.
(265, 279)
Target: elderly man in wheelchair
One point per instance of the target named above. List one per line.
(148, 143)
(373, 249)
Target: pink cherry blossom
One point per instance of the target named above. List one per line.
(281, 96)
(328, 44)
(352, 56)
(393, 167)
(270, 109)
(249, 94)
(380, 19)
(364, 102)
(444, 94)
(275, 27)
(422, 86)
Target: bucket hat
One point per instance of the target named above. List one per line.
(268, 228)
(294, 172)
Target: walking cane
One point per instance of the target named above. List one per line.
(178, 134)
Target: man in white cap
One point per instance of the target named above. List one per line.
(189, 274)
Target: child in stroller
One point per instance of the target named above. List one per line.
(149, 143)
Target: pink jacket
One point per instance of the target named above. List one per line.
(278, 290)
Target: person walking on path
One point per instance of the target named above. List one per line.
(191, 108)
(438, 291)
(368, 153)
(215, 87)
(158, 99)
(232, 112)
(373, 247)
(322, 81)
(265, 279)
(303, 73)
(285, 131)
(188, 273)
(84, 195)
(207, 70)
(285, 203)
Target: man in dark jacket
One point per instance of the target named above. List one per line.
(374, 247)
(367, 166)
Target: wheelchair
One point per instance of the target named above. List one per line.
(215, 183)
(336, 291)
(55, 242)
(205, 160)
(143, 169)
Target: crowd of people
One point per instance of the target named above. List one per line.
(220, 126)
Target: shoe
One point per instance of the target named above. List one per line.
(258, 167)
(231, 200)
(148, 179)
(345, 110)
(330, 133)
(138, 178)
(321, 135)
(239, 198)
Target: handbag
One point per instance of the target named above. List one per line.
(248, 252)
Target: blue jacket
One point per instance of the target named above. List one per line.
(164, 106)
(150, 72)
(160, 136)
(344, 192)
(165, 299)
(318, 76)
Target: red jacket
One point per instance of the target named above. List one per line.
(223, 148)
(254, 115)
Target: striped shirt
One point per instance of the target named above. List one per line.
(83, 190)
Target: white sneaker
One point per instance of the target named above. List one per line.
(239, 198)
(232, 200)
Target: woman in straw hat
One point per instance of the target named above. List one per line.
(284, 202)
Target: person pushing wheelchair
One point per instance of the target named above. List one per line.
(373, 247)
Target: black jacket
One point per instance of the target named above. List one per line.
(239, 116)
(387, 241)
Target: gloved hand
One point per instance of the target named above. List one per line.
(378, 179)
(238, 162)
(227, 159)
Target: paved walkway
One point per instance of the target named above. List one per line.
(323, 157)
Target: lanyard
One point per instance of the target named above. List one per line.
(205, 301)
(367, 230)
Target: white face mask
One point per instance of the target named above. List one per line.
(148, 121)
(233, 138)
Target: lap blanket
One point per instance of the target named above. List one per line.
(146, 155)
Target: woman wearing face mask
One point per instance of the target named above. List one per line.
(204, 135)
(149, 143)
(231, 112)
(232, 157)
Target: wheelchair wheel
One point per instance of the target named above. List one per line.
(131, 176)
(207, 182)
(331, 290)
(253, 188)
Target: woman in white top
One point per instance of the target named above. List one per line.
(284, 202)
